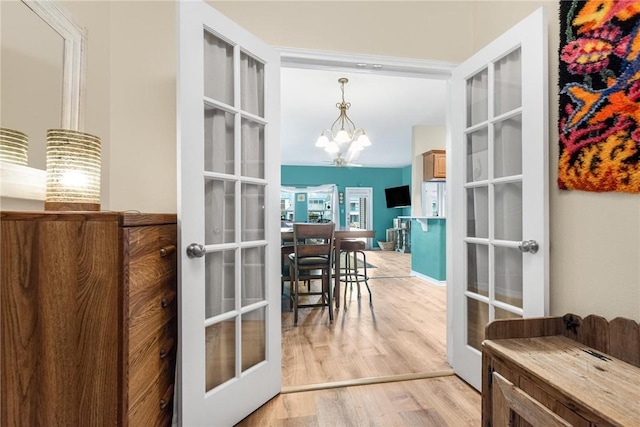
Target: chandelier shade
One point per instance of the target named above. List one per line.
(343, 140)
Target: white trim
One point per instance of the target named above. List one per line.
(429, 279)
(22, 182)
(390, 66)
(75, 39)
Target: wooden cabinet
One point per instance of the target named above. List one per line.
(434, 165)
(89, 328)
(561, 371)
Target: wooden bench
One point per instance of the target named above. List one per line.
(561, 371)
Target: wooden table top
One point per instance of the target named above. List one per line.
(607, 386)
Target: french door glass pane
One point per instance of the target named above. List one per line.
(478, 269)
(252, 149)
(508, 83)
(253, 275)
(219, 209)
(252, 80)
(504, 314)
(508, 211)
(478, 155)
(220, 291)
(477, 100)
(478, 212)
(218, 141)
(253, 212)
(220, 353)
(253, 337)
(508, 275)
(477, 319)
(218, 69)
(507, 149)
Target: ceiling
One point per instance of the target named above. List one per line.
(386, 107)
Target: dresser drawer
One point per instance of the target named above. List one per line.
(151, 260)
(151, 368)
(151, 281)
(147, 318)
(154, 405)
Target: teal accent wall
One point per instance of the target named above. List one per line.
(429, 248)
(301, 208)
(376, 178)
(406, 175)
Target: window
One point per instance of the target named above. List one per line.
(287, 206)
(319, 207)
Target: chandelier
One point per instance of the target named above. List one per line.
(343, 140)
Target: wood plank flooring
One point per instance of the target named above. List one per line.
(404, 332)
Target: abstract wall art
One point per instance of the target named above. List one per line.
(599, 117)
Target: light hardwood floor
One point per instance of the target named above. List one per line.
(402, 335)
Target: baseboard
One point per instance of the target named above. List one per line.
(431, 280)
(366, 381)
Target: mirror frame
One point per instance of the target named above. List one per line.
(23, 182)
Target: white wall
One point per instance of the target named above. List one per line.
(423, 139)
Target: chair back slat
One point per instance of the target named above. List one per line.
(313, 239)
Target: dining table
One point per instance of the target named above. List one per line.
(340, 234)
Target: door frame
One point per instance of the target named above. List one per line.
(368, 194)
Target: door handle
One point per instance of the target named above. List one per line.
(196, 250)
(530, 246)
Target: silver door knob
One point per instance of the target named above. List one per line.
(196, 250)
(530, 246)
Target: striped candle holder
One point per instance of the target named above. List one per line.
(14, 147)
(73, 171)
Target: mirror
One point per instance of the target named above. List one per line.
(42, 52)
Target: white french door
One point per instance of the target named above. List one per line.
(498, 245)
(229, 184)
(358, 210)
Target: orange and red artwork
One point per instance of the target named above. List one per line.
(599, 120)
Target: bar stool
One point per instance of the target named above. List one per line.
(351, 249)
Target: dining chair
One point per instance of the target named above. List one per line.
(312, 252)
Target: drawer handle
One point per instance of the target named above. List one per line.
(166, 301)
(164, 402)
(164, 351)
(167, 250)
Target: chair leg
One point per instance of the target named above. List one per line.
(294, 294)
(291, 288)
(366, 277)
(347, 278)
(355, 272)
(328, 290)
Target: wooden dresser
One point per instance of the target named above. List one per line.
(88, 318)
(561, 371)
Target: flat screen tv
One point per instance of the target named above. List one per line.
(398, 197)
